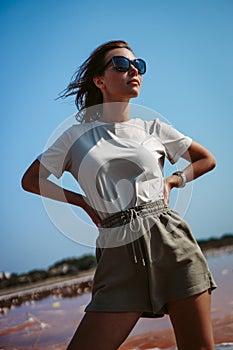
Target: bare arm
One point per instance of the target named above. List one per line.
(36, 180)
(201, 161)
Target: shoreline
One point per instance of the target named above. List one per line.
(213, 251)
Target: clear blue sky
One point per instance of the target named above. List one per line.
(188, 45)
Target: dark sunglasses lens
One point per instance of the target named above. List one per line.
(140, 65)
(121, 63)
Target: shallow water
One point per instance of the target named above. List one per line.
(224, 346)
(50, 323)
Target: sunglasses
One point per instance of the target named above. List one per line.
(122, 64)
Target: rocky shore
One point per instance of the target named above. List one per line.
(63, 289)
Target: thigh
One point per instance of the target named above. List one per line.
(103, 330)
(191, 320)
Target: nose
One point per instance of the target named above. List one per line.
(133, 70)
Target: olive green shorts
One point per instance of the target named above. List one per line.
(147, 257)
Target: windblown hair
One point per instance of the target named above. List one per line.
(82, 85)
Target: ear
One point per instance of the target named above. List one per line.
(99, 82)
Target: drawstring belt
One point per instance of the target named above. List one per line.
(132, 217)
(134, 214)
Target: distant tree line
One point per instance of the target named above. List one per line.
(216, 243)
(65, 267)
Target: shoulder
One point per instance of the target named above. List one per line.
(152, 127)
(75, 131)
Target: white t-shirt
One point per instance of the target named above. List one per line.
(117, 165)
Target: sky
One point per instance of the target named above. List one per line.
(188, 47)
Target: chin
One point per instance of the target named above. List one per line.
(135, 94)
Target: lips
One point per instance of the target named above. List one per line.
(134, 81)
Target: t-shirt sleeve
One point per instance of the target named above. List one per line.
(174, 142)
(57, 157)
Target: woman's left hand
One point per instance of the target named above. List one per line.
(167, 190)
(169, 183)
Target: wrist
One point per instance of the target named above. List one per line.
(172, 181)
(180, 175)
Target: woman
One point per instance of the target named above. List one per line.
(149, 264)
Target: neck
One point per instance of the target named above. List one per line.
(115, 112)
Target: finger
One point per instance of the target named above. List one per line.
(166, 196)
(165, 193)
(166, 200)
(98, 224)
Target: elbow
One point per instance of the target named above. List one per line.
(29, 183)
(212, 162)
(30, 180)
(25, 183)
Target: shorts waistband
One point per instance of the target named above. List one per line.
(124, 216)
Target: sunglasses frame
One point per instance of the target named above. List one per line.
(112, 60)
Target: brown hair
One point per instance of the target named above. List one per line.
(82, 85)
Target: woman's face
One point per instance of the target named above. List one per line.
(119, 86)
